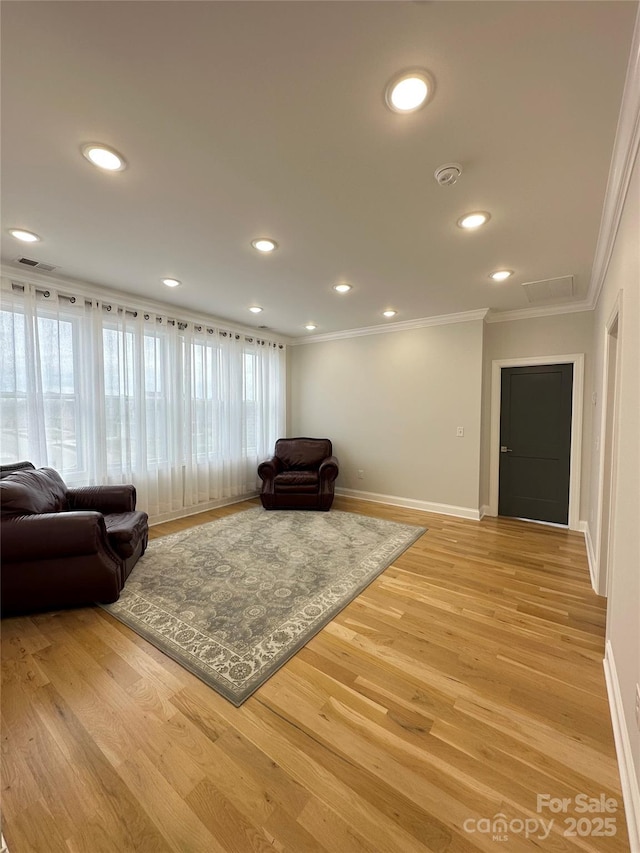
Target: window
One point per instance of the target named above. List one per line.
(54, 371)
(106, 394)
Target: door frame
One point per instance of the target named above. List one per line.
(608, 447)
(577, 395)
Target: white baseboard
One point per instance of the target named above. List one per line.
(591, 554)
(485, 509)
(194, 510)
(409, 503)
(628, 777)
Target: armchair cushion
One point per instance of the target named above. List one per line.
(27, 492)
(5, 470)
(302, 453)
(297, 478)
(297, 482)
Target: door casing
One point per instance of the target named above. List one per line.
(577, 359)
(606, 489)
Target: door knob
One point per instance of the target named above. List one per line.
(504, 449)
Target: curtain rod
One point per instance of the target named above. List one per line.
(182, 324)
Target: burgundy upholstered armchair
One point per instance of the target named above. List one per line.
(64, 547)
(300, 475)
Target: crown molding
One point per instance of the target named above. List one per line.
(542, 311)
(402, 326)
(129, 300)
(625, 151)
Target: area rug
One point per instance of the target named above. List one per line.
(234, 599)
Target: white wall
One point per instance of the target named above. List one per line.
(561, 334)
(623, 622)
(391, 403)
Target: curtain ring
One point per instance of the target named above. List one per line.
(108, 307)
(46, 294)
(72, 300)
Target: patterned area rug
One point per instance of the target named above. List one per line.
(234, 599)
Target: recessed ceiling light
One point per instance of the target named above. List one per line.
(255, 309)
(501, 275)
(103, 157)
(310, 327)
(264, 244)
(25, 236)
(389, 313)
(342, 288)
(474, 220)
(409, 91)
(171, 282)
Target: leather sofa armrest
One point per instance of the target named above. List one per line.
(104, 499)
(328, 470)
(268, 469)
(49, 535)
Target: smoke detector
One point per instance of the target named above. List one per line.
(448, 174)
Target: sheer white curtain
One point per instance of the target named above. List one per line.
(104, 393)
(40, 381)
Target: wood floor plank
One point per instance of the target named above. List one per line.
(231, 828)
(463, 682)
(178, 824)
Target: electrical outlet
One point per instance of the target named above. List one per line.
(638, 705)
(460, 432)
(360, 474)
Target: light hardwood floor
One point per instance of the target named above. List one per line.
(464, 682)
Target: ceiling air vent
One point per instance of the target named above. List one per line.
(549, 289)
(37, 265)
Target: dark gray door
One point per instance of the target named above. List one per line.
(535, 442)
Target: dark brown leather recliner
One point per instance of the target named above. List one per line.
(300, 475)
(65, 547)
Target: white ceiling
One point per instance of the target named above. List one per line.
(245, 119)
